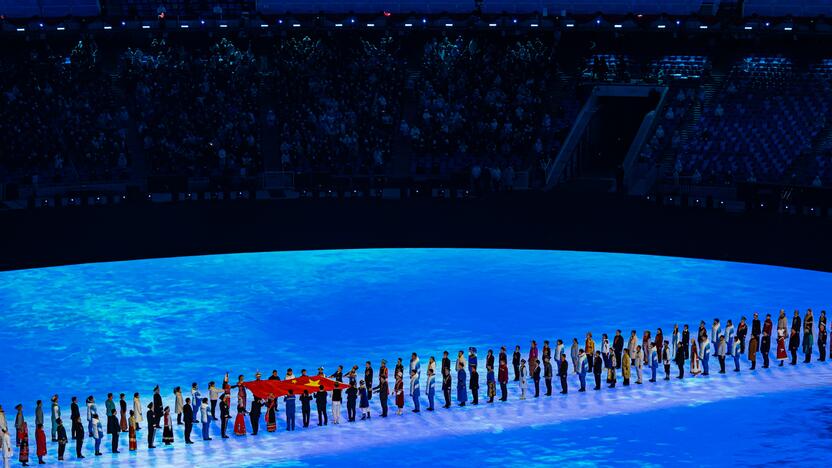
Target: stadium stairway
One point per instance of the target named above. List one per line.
(136, 157)
(402, 150)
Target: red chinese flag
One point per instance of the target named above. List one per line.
(262, 388)
(313, 383)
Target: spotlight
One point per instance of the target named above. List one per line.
(598, 21)
(424, 20)
(123, 23)
(514, 21)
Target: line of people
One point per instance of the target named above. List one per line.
(593, 358)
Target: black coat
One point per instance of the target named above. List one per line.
(320, 399)
(446, 363)
(475, 380)
(158, 405)
(225, 412)
(62, 434)
(188, 413)
(597, 365)
(515, 358)
(686, 337)
(765, 344)
(563, 369)
(256, 406)
(755, 327)
(536, 374)
(617, 343)
(112, 425)
(75, 412)
(446, 381)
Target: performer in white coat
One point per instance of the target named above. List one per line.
(6, 447)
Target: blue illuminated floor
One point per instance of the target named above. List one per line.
(127, 326)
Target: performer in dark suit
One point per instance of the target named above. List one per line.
(446, 382)
(502, 378)
(151, 428)
(74, 416)
(742, 331)
(78, 429)
(686, 342)
(618, 347)
(515, 361)
(597, 367)
(765, 347)
(446, 363)
(114, 429)
(475, 385)
(536, 378)
(225, 414)
(547, 373)
(822, 338)
(320, 403)
(158, 407)
(563, 371)
(188, 414)
(61, 438)
(368, 380)
(794, 343)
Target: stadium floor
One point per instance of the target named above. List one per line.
(127, 326)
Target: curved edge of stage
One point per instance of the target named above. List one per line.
(50, 237)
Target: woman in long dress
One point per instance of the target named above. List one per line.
(132, 431)
(399, 389)
(137, 411)
(271, 419)
(122, 403)
(167, 432)
(695, 364)
(461, 387)
(240, 422)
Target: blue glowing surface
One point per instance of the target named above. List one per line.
(127, 326)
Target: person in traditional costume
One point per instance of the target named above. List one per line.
(132, 441)
(736, 353)
(110, 406)
(240, 422)
(639, 362)
(794, 344)
(122, 406)
(178, 403)
(167, 432)
(398, 389)
(695, 363)
(582, 368)
(589, 352)
(679, 358)
(705, 354)
(158, 407)
(781, 344)
(62, 439)
(462, 382)
(137, 410)
(40, 443)
(6, 449)
(653, 361)
(414, 391)
(808, 336)
(205, 420)
(271, 413)
(721, 353)
(430, 388)
(674, 342)
(532, 357)
(822, 338)
(91, 409)
(502, 378)
(605, 350)
(241, 392)
(56, 415)
(716, 332)
(632, 343)
(574, 352)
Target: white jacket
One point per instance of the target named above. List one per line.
(6, 446)
(203, 414)
(137, 409)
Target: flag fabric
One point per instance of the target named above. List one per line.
(263, 388)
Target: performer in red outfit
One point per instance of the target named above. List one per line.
(240, 422)
(781, 346)
(40, 443)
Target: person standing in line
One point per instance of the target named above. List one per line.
(383, 391)
(523, 376)
(547, 374)
(337, 391)
(432, 362)
(753, 346)
(605, 350)
(695, 363)
(679, 358)
(721, 352)
(794, 344)
(19, 421)
(781, 345)
(74, 416)
(612, 378)
(736, 355)
(289, 401)
(756, 328)
(305, 407)
(560, 348)
(730, 337)
(187, 414)
(6, 450)
(822, 319)
(502, 378)
(320, 405)
(705, 354)
(475, 385)
(667, 353)
(123, 416)
(472, 358)
(491, 384)
(503, 357)
(137, 409)
(808, 336)
(271, 414)
(91, 409)
(589, 352)
(61, 438)
(158, 407)
(368, 379)
(38, 414)
(23, 446)
(617, 347)
(645, 347)
(213, 394)
(97, 433)
(446, 386)
(765, 347)
(40, 443)
(632, 343)
(653, 360)
(205, 420)
(79, 438)
(132, 441)
(430, 388)
(658, 341)
(461, 380)
(582, 369)
(114, 429)
(547, 356)
(363, 401)
(536, 380)
(742, 332)
(796, 324)
(460, 359)
(822, 338)
(415, 391)
(674, 342)
(563, 371)
(625, 366)
(167, 431)
(686, 343)
(196, 399)
(240, 421)
(597, 367)
(446, 362)
(178, 403)
(716, 331)
(56, 415)
(768, 325)
(398, 389)
(225, 414)
(532, 357)
(515, 361)
(109, 406)
(639, 360)
(575, 354)
(782, 322)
